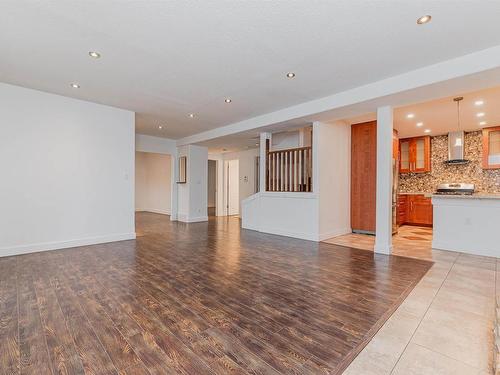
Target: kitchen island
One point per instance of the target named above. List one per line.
(467, 223)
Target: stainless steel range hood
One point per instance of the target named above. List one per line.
(456, 143)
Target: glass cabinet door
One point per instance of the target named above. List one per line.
(494, 148)
(419, 154)
(404, 156)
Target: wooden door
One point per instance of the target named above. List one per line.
(363, 176)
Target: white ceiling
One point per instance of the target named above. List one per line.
(166, 59)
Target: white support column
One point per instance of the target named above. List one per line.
(383, 231)
(262, 165)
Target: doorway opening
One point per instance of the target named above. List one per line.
(231, 187)
(212, 188)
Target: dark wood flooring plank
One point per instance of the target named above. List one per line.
(9, 323)
(205, 298)
(61, 347)
(33, 347)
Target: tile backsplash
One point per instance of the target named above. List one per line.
(486, 181)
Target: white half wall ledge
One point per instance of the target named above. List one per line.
(381, 93)
(48, 246)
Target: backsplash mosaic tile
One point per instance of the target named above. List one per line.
(486, 181)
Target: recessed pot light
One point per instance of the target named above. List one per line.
(191, 115)
(75, 85)
(290, 75)
(480, 114)
(427, 130)
(419, 124)
(410, 115)
(94, 54)
(479, 102)
(160, 127)
(424, 19)
(256, 144)
(228, 100)
(482, 123)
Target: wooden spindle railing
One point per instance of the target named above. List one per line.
(289, 170)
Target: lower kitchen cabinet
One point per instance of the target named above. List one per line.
(414, 209)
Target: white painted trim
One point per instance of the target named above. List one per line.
(299, 235)
(153, 210)
(335, 233)
(46, 246)
(475, 251)
(186, 219)
(466, 65)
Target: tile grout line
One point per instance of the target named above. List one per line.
(424, 314)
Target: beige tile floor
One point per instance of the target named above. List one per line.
(445, 325)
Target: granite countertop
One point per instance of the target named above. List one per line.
(472, 196)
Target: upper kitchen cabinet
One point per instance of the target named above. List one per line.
(491, 148)
(415, 154)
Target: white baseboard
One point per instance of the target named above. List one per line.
(46, 246)
(334, 233)
(474, 250)
(153, 210)
(280, 232)
(187, 219)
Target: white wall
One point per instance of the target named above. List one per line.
(153, 177)
(291, 139)
(247, 173)
(286, 214)
(148, 143)
(467, 224)
(192, 196)
(332, 143)
(315, 216)
(67, 172)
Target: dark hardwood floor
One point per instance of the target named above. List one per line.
(204, 298)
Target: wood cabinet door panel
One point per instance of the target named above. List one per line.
(363, 176)
(419, 210)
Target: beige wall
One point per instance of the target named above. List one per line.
(152, 182)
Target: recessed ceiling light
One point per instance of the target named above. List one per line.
(75, 85)
(160, 127)
(419, 124)
(480, 114)
(228, 100)
(478, 102)
(94, 54)
(424, 19)
(427, 130)
(256, 144)
(191, 115)
(410, 115)
(290, 75)
(482, 123)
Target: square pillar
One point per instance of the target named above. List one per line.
(383, 230)
(263, 157)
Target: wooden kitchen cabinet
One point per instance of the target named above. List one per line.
(414, 209)
(415, 154)
(363, 176)
(491, 148)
